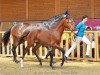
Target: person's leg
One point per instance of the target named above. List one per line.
(77, 40)
(85, 39)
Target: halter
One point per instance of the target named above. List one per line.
(70, 22)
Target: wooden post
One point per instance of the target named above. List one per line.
(90, 39)
(96, 46)
(67, 41)
(31, 54)
(46, 51)
(1, 26)
(84, 50)
(56, 53)
(72, 41)
(21, 50)
(3, 49)
(40, 51)
(78, 51)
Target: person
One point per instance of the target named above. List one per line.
(80, 37)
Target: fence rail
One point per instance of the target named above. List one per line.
(78, 53)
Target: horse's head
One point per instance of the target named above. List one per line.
(68, 21)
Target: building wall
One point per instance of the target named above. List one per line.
(97, 9)
(41, 9)
(18, 10)
(13, 10)
(0, 9)
(78, 8)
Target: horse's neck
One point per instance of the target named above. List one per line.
(53, 22)
(59, 29)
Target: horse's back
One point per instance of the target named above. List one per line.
(19, 28)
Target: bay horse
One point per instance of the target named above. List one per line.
(50, 38)
(20, 28)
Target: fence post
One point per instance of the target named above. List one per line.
(96, 46)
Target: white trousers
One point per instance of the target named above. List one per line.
(77, 40)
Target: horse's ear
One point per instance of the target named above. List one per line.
(66, 12)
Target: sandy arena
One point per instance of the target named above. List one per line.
(32, 67)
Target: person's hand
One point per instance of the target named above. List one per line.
(75, 32)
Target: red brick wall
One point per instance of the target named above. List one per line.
(77, 8)
(13, 9)
(97, 8)
(0, 9)
(63, 5)
(43, 9)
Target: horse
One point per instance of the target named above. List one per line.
(19, 28)
(50, 38)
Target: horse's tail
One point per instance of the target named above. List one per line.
(6, 37)
(21, 39)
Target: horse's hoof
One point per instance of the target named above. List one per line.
(40, 64)
(61, 64)
(52, 66)
(16, 61)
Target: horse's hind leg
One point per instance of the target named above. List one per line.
(14, 45)
(51, 58)
(51, 55)
(14, 53)
(34, 51)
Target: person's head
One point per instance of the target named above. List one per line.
(88, 28)
(84, 18)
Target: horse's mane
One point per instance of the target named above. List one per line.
(50, 23)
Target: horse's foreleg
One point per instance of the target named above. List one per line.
(49, 51)
(39, 59)
(34, 51)
(63, 52)
(63, 57)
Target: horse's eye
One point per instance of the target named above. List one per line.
(66, 22)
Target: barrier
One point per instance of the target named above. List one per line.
(98, 46)
(78, 53)
(81, 48)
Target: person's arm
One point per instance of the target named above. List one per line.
(78, 26)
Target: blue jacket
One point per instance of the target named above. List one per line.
(81, 28)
